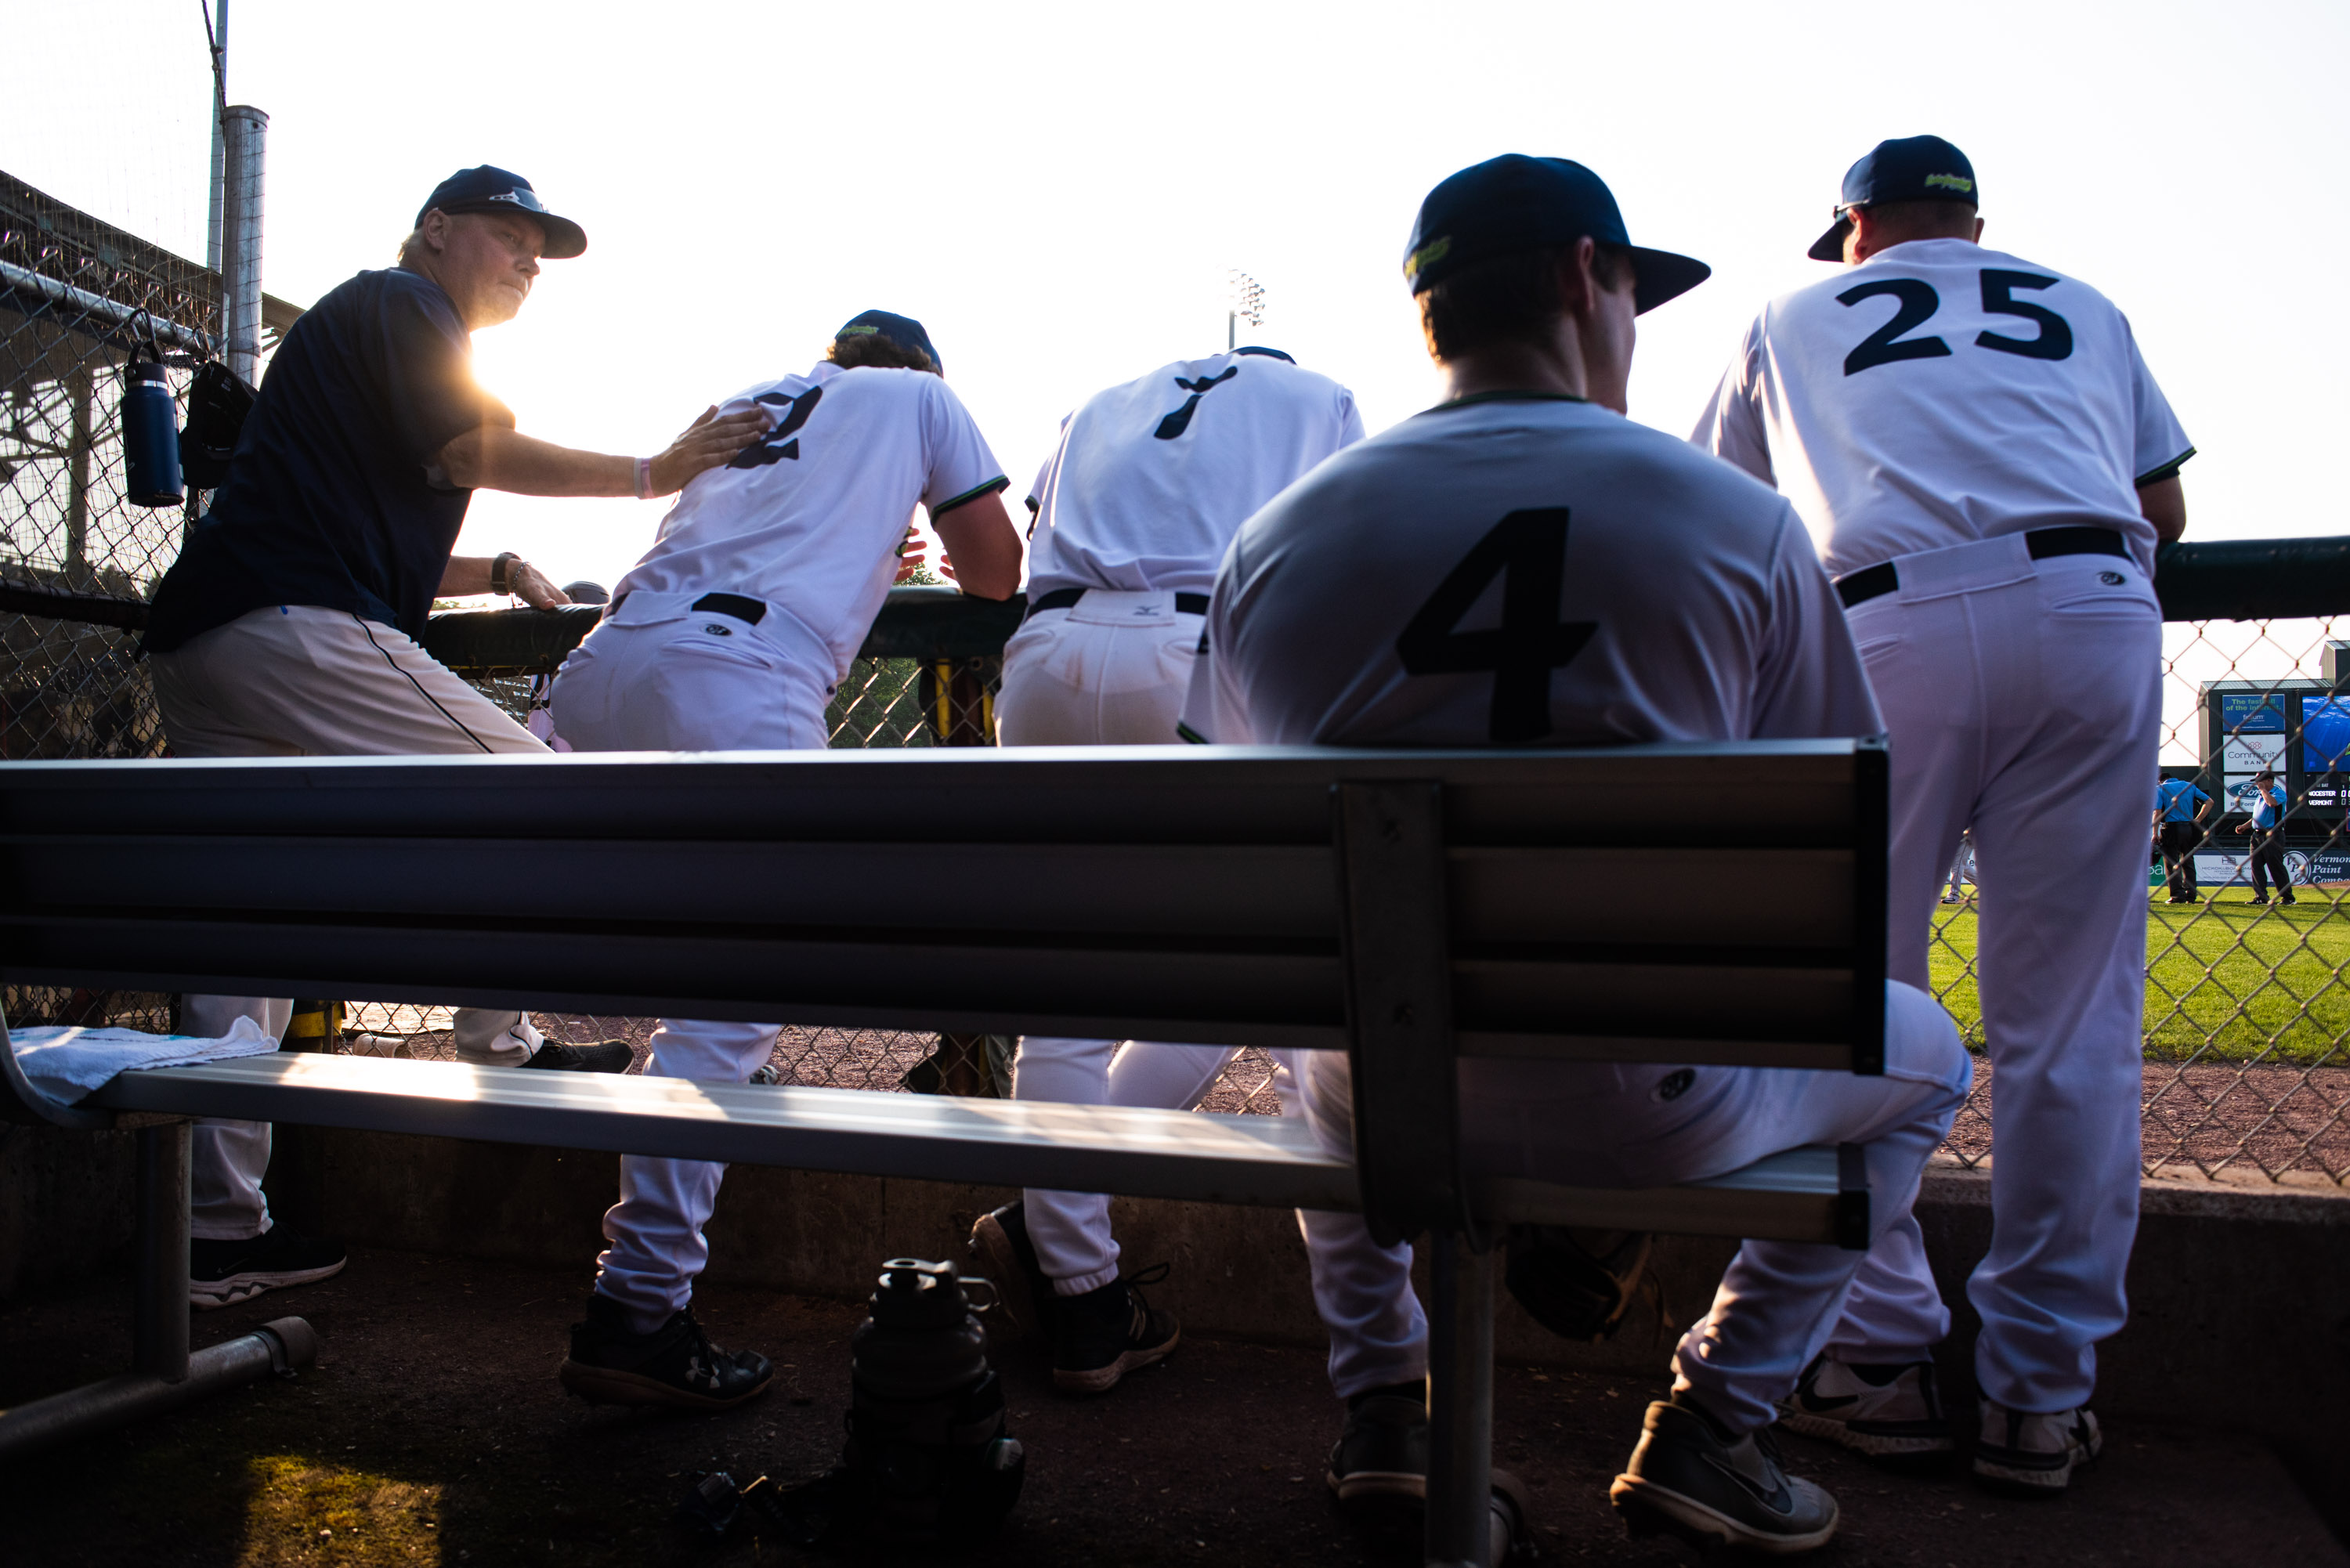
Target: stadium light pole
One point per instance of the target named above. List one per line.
(1246, 302)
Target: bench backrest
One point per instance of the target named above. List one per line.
(1718, 903)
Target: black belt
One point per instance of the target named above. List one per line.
(1870, 582)
(1062, 598)
(742, 609)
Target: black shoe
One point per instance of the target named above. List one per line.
(1378, 1467)
(1885, 1412)
(675, 1365)
(600, 1056)
(1688, 1478)
(999, 1245)
(1100, 1336)
(222, 1273)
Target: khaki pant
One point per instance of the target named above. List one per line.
(294, 680)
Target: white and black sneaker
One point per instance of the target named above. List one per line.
(2034, 1456)
(675, 1365)
(1887, 1412)
(222, 1273)
(1689, 1478)
(1101, 1335)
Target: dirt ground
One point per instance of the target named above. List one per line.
(432, 1432)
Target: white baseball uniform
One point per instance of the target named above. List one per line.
(1526, 569)
(796, 541)
(1937, 406)
(1135, 509)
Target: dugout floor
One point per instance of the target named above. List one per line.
(432, 1432)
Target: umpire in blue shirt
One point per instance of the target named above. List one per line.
(2179, 809)
(2267, 829)
(287, 626)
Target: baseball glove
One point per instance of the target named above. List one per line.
(1577, 1284)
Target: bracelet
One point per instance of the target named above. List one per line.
(644, 479)
(502, 573)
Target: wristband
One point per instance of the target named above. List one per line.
(644, 479)
(502, 573)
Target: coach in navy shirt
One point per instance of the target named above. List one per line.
(287, 626)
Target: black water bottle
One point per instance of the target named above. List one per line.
(150, 436)
(927, 1429)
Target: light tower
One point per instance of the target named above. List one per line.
(1246, 302)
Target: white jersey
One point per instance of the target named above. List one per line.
(1518, 569)
(1940, 393)
(1152, 477)
(809, 518)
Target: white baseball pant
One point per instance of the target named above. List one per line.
(1604, 1125)
(293, 680)
(1111, 670)
(658, 677)
(2024, 700)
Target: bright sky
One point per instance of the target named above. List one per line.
(1058, 192)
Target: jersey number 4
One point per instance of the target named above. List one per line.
(782, 443)
(1886, 345)
(1530, 546)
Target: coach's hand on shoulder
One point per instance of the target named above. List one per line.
(707, 442)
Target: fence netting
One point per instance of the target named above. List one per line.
(2247, 1070)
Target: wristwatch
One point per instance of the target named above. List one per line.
(502, 573)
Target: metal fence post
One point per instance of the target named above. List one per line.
(241, 239)
(159, 1322)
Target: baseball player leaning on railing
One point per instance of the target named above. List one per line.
(286, 626)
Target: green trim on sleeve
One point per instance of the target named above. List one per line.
(990, 488)
(2167, 470)
(1185, 733)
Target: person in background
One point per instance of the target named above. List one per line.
(2179, 809)
(2266, 827)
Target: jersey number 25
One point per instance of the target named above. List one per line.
(1886, 345)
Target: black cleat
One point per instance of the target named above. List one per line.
(1006, 1258)
(675, 1365)
(1100, 1336)
(222, 1273)
(598, 1056)
(1689, 1478)
(1379, 1468)
(2026, 1455)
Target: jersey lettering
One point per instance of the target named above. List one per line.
(2056, 340)
(782, 442)
(1176, 423)
(1530, 546)
(1918, 303)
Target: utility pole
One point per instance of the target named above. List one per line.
(216, 36)
(241, 241)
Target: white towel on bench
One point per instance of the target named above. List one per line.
(66, 1063)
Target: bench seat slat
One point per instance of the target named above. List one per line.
(1265, 1161)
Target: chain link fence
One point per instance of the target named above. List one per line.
(2247, 1014)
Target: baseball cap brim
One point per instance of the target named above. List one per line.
(1660, 275)
(565, 239)
(1830, 246)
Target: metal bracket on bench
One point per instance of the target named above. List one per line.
(1852, 1219)
(1872, 775)
(1391, 842)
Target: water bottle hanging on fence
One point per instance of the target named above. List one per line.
(150, 435)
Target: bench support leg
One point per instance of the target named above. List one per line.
(163, 1373)
(159, 1313)
(1460, 1404)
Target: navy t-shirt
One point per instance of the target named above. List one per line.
(329, 500)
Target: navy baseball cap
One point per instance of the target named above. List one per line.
(1911, 168)
(903, 330)
(1514, 203)
(483, 189)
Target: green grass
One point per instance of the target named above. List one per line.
(2226, 980)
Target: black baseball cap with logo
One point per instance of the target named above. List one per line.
(487, 190)
(903, 330)
(1910, 169)
(1514, 203)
